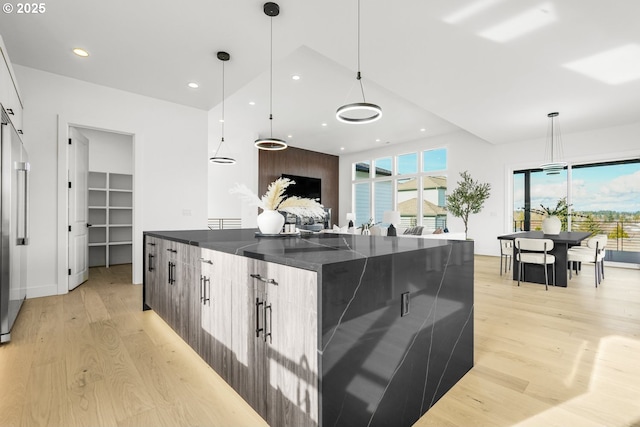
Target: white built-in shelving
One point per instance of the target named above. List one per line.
(111, 218)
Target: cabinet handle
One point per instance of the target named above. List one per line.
(172, 278)
(151, 257)
(20, 131)
(151, 244)
(201, 288)
(10, 111)
(208, 261)
(172, 250)
(267, 334)
(262, 279)
(207, 290)
(258, 328)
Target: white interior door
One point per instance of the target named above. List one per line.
(78, 211)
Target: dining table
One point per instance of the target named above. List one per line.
(561, 244)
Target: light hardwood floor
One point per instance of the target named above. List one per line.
(564, 357)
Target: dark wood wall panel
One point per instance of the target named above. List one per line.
(295, 161)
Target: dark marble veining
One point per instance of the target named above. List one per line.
(383, 361)
(383, 369)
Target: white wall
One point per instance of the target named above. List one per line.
(238, 144)
(109, 151)
(170, 163)
(495, 164)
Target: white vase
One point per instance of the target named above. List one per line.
(270, 222)
(551, 225)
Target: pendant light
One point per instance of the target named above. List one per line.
(224, 57)
(359, 112)
(271, 143)
(553, 152)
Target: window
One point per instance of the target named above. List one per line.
(407, 196)
(361, 170)
(383, 167)
(383, 199)
(362, 203)
(434, 214)
(434, 160)
(604, 196)
(408, 164)
(416, 187)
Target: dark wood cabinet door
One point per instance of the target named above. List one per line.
(151, 277)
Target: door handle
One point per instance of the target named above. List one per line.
(207, 290)
(172, 278)
(150, 262)
(24, 227)
(258, 328)
(265, 280)
(267, 334)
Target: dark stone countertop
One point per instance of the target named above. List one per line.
(308, 251)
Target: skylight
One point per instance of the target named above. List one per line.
(615, 66)
(527, 22)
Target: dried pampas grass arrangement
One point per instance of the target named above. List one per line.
(275, 199)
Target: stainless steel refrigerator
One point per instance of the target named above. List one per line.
(14, 228)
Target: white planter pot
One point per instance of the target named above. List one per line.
(270, 222)
(551, 225)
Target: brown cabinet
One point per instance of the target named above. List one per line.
(253, 322)
(151, 272)
(275, 369)
(217, 278)
(172, 287)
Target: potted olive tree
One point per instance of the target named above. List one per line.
(467, 198)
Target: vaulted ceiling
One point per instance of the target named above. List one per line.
(492, 67)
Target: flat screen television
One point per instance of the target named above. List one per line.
(307, 187)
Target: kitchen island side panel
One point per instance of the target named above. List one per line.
(378, 366)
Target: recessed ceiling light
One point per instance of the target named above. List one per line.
(221, 120)
(193, 85)
(289, 136)
(377, 139)
(295, 77)
(341, 148)
(252, 103)
(615, 66)
(423, 130)
(80, 52)
(324, 124)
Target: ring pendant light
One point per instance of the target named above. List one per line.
(359, 112)
(553, 153)
(220, 160)
(271, 144)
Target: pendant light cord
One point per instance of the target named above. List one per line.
(221, 139)
(359, 75)
(271, 80)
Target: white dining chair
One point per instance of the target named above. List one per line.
(506, 254)
(535, 251)
(594, 253)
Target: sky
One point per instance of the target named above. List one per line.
(598, 188)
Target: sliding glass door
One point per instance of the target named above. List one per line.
(604, 196)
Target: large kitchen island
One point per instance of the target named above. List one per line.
(319, 330)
